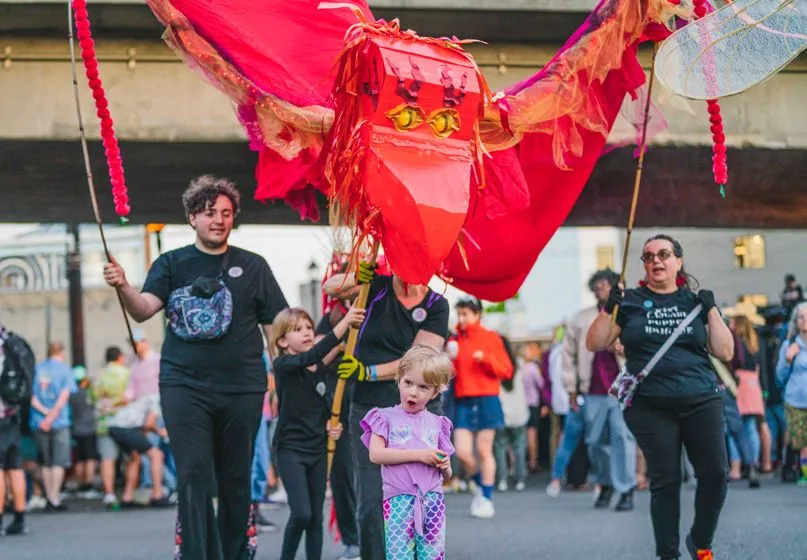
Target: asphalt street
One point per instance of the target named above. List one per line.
(765, 524)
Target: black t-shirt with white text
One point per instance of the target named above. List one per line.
(647, 320)
(233, 363)
(389, 331)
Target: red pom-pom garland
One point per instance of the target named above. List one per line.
(720, 169)
(111, 148)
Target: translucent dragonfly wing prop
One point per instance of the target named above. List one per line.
(733, 49)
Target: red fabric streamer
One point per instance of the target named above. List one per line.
(111, 148)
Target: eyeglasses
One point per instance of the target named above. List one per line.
(662, 255)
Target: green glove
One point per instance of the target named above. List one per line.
(350, 367)
(366, 273)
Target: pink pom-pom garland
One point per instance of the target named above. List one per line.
(720, 169)
(111, 149)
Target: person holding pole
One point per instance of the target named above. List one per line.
(219, 300)
(398, 316)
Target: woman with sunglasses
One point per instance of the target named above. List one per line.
(679, 403)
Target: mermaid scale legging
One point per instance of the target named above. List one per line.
(402, 541)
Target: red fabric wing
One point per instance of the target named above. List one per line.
(285, 48)
(504, 249)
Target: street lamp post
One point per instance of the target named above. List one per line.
(315, 290)
(75, 297)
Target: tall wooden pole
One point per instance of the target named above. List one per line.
(350, 349)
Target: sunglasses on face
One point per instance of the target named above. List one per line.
(662, 255)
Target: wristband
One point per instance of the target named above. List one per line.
(373, 373)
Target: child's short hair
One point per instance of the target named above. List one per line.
(284, 323)
(435, 365)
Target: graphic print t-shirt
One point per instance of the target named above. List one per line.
(647, 320)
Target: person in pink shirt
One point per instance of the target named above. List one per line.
(413, 447)
(144, 379)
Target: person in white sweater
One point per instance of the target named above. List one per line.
(511, 439)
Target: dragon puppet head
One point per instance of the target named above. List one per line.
(404, 143)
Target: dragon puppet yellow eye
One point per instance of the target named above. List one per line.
(406, 117)
(444, 122)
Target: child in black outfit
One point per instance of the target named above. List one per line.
(300, 439)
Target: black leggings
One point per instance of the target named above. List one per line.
(660, 429)
(304, 477)
(213, 438)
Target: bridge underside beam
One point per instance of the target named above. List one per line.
(43, 181)
(136, 21)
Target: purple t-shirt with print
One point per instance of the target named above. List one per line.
(402, 430)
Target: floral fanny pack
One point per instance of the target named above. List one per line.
(202, 310)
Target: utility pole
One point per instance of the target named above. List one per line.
(75, 298)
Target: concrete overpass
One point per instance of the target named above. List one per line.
(174, 126)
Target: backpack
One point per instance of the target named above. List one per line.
(17, 375)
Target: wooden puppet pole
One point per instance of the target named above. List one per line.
(350, 349)
(638, 179)
(88, 170)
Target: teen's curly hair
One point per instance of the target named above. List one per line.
(203, 192)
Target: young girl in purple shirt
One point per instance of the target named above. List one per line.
(413, 446)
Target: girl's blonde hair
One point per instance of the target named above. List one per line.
(284, 323)
(434, 364)
(746, 332)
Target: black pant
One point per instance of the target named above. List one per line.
(342, 486)
(213, 438)
(304, 478)
(369, 492)
(660, 429)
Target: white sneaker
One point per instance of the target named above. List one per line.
(279, 496)
(36, 503)
(110, 499)
(351, 553)
(482, 508)
(520, 486)
(553, 490)
(502, 486)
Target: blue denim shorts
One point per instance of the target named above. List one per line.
(479, 413)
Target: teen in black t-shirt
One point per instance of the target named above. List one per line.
(300, 439)
(211, 390)
(398, 316)
(678, 403)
